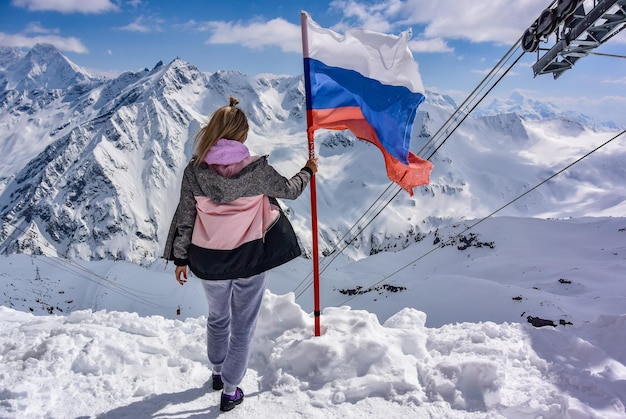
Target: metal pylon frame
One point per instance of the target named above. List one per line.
(581, 34)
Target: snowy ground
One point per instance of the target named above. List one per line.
(446, 337)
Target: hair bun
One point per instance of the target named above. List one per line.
(233, 101)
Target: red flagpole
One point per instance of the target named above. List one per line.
(310, 138)
(316, 261)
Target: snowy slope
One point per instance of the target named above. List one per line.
(446, 337)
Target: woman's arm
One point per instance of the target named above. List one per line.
(278, 186)
(186, 217)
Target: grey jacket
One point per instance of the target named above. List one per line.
(258, 178)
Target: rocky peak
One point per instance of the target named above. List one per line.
(44, 67)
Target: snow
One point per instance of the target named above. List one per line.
(424, 315)
(452, 341)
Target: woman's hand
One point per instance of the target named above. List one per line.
(312, 164)
(181, 270)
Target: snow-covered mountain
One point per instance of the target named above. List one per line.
(90, 167)
(539, 110)
(42, 68)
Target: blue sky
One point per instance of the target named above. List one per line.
(455, 42)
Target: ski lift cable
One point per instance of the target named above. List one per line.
(72, 268)
(326, 263)
(463, 111)
(493, 213)
(458, 113)
(464, 106)
(476, 104)
(451, 120)
(75, 268)
(337, 248)
(361, 228)
(346, 244)
(333, 250)
(607, 55)
(126, 294)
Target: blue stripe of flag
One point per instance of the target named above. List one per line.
(390, 110)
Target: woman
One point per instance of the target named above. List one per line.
(229, 229)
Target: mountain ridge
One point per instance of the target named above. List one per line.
(97, 162)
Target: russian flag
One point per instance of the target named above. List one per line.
(366, 82)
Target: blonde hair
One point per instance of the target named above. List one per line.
(226, 122)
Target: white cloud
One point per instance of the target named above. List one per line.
(67, 6)
(136, 26)
(429, 45)
(501, 21)
(192, 25)
(371, 16)
(276, 32)
(287, 36)
(42, 35)
(36, 27)
(499, 72)
(143, 25)
(70, 44)
(621, 80)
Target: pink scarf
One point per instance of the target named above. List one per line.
(226, 152)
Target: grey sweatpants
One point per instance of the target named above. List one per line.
(234, 306)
